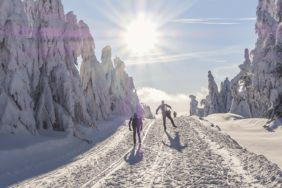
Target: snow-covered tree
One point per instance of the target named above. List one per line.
(225, 96)
(94, 78)
(40, 86)
(193, 105)
(60, 102)
(241, 87)
(16, 95)
(218, 101)
(213, 96)
(257, 89)
(147, 111)
(124, 99)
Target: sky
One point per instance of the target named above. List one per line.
(194, 36)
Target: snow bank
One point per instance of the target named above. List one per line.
(223, 117)
(27, 156)
(257, 169)
(250, 134)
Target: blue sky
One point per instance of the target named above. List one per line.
(197, 36)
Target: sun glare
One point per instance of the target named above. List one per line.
(141, 36)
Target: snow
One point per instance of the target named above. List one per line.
(225, 96)
(217, 101)
(273, 125)
(259, 78)
(63, 128)
(251, 134)
(213, 95)
(257, 89)
(193, 155)
(27, 156)
(40, 86)
(193, 105)
(147, 111)
(230, 160)
(240, 86)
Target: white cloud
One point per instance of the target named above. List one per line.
(153, 97)
(180, 102)
(202, 94)
(214, 21)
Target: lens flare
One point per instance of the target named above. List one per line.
(141, 36)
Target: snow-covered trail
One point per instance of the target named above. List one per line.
(192, 155)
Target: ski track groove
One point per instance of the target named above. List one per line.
(115, 165)
(189, 156)
(95, 153)
(157, 161)
(126, 169)
(231, 161)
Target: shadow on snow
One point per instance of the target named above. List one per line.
(135, 156)
(57, 158)
(175, 142)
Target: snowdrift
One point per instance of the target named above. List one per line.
(251, 134)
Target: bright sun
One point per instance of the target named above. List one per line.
(141, 36)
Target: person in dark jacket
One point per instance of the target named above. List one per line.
(136, 123)
(166, 113)
(174, 114)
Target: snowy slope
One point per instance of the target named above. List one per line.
(193, 155)
(250, 134)
(27, 156)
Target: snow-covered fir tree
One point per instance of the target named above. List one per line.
(40, 85)
(218, 100)
(257, 89)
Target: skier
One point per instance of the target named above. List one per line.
(175, 114)
(165, 113)
(136, 124)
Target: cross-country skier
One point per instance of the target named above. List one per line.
(166, 113)
(136, 123)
